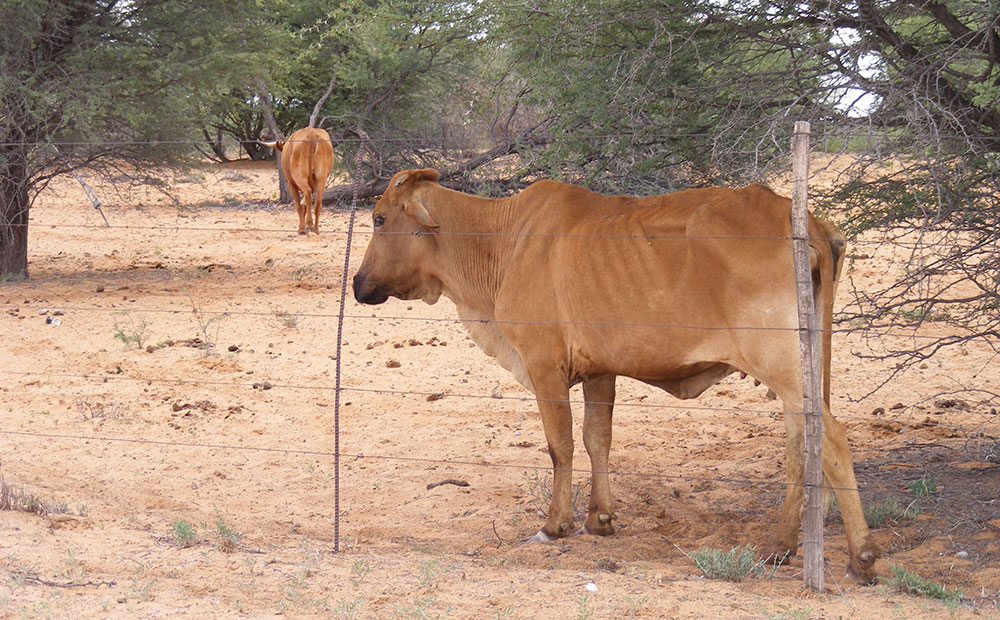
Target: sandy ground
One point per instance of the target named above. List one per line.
(188, 388)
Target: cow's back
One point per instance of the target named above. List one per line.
(307, 157)
(666, 276)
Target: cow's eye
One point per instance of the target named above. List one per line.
(379, 220)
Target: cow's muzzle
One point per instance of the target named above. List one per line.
(367, 293)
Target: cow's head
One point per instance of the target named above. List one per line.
(399, 259)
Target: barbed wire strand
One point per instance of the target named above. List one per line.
(242, 229)
(877, 329)
(488, 397)
(407, 459)
(459, 142)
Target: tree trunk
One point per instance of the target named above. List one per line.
(14, 207)
(267, 108)
(216, 144)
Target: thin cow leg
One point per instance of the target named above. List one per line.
(599, 394)
(318, 203)
(838, 468)
(552, 393)
(785, 540)
(299, 206)
(307, 200)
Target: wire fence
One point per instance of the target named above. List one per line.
(988, 426)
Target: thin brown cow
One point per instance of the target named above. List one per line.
(565, 286)
(306, 160)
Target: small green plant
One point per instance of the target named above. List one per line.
(431, 571)
(890, 511)
(904, 581)
(228, 537)
(420, 610)
(923, 486)
(738, 564)
(359, 570)
(99, 411)
(348, 610)
(287, 319)
(14, 276)
(184, 534)
(142, 584)
(536, 488)
(634, 604)
(130, 331)
(208, 336)
(914, 315)
(305, 273)
(73, 569)
(786, 612)
(583, 609)
(539, 495)
(23, 500)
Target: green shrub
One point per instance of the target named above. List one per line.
(736, 565)
(904, 581)
(890, 511)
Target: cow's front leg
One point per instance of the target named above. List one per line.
(599, 394)
(557, 419)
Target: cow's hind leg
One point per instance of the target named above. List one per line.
(599, 394)
(838, 468)
(785, 540)
(299, 206)
(838, 474)
(307, 200)
(319, 184)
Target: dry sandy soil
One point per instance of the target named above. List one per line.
(222, 420)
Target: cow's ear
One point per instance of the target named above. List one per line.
(427, 174)
(416, 211)
(400, 179)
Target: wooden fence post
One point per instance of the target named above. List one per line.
(809, 339)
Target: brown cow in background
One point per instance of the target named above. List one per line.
(306, 160)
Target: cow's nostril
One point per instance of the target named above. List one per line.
(359, 283)
(366, 294)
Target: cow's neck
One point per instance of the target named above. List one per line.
(477, 236)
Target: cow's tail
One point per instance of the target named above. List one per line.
(829, 277)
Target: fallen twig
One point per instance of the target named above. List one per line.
(458, 483)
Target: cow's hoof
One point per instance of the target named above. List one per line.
(599, 524)
(540, 536)
(776, 555)
(862, 566)
(302, 232)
